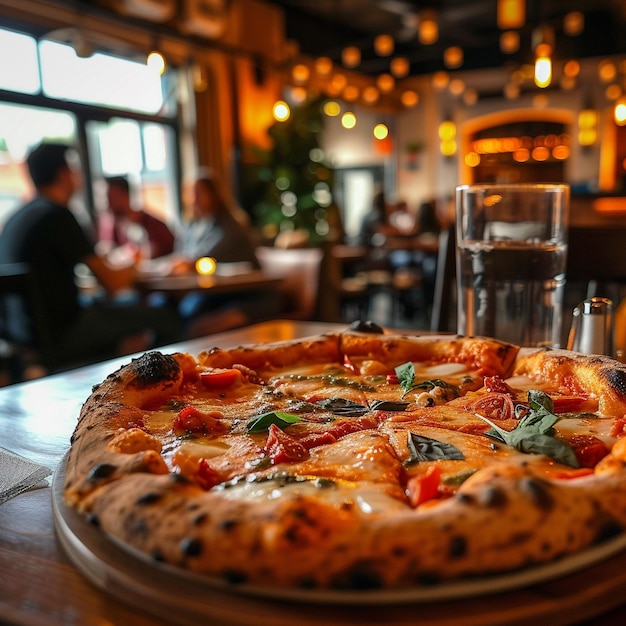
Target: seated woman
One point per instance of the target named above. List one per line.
(221, 230)
(216, 229)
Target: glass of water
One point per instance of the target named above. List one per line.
(511, 256)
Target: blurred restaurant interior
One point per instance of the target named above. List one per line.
(308, 112)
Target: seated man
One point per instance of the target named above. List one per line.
(124, 225)
(45, 234)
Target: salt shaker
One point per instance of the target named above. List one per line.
(593, 330)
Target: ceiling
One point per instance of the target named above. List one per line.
(325, 27)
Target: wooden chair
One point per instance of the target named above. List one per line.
(443, 315)
(23, 350)
(597, 257)
(299, 269)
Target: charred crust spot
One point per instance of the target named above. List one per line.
(494, 497)
(157, 555)
(199, 519)
(228, 524)
(234, 577)
(149, 498)
(428, 579)
(458, 547)
(191, 546)
(154, 367)
(465, 498)
(180, 479)
(616, 377)
(538, 491)
(367, 327)
(101, 471)
(609, 530)
(361, 577)
(140, 528)
(93, 519)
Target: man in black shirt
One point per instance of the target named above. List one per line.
(46, 235)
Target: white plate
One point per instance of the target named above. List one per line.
(133, 576)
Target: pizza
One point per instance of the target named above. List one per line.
(354, 460)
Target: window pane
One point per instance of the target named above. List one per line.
(21, 128)
(99, 79)
(18, 68)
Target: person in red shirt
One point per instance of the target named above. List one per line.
(136, 229)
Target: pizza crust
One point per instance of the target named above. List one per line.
(339, 517)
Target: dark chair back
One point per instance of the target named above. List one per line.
(19, 296)
(443, 315)
(597, 256)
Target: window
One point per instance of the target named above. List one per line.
(76, 93)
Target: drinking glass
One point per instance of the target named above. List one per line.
(511, 255)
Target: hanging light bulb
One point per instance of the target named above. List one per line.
(509, 41)
(399, 67)
(351, 56)
(543, 45)
(156, 61)
(511, 14)
(574, 23)
(453, 57)
(384, 45)
(281, 111)
(620, 112)
(427, 29)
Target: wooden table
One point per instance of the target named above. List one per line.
(40, 586)
(177, 286)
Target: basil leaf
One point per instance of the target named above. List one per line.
(388, 405)
(556, 449)
(263, 422)
(535, 433)
(539, 400)
(406, 376)
(343, 406)
(423, 449)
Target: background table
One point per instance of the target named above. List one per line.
(39, 585)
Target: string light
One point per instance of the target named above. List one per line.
(384, 45)
(281, 111)
(156, 62)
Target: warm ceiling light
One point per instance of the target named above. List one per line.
(370, 94)
(453, 57)
(427, 29)
(348, 120)
(156, 61)
(619, 112)
(571, 68)
(351, 93)
(409, 98)
(574, 23)
(381, 131)
(542, 40)
(457, 87)
(384, 45)
(323, 66)
(351, 56)
(300, 73)
(281, 111)
(298, 94)
(385, 83)
(543, 71)
(447, 130)
(607, 71)
(511, 14)
(509, 42)
(511, 91)
(440, 80)
(338, 82)
(331, 108)
(470, 97)
(613, 92)
(399, 67)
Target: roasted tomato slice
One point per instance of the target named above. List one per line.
(219, 378)
(283, 448)
(424, 487)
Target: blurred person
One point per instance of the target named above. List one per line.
(217, 228)
(427, 220)
(125, 226)
(374, 222)
(45, 234)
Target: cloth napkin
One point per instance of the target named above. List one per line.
(18, 474)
